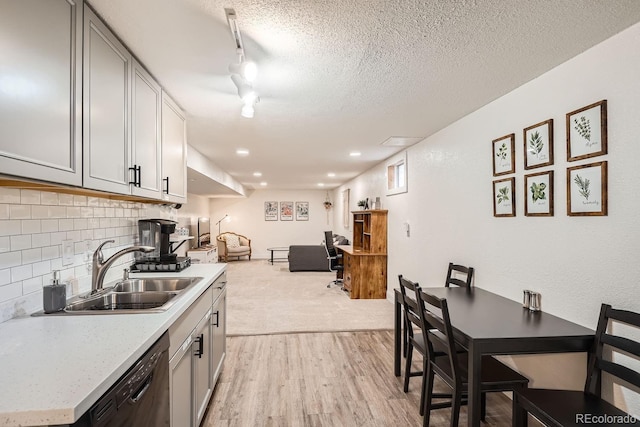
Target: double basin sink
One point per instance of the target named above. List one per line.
(142, 295)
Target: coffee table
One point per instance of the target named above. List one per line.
(278, 249)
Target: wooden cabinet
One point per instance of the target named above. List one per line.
(146, 151)
(174, 152)
(41, 90)
(198, 348)
(106, 142)
(219, 335)
(365, 262)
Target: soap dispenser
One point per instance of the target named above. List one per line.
(54, 296)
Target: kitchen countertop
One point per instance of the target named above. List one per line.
(53, 368)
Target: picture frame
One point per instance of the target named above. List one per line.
(302, 211)
(286, 211)
(587, 190)
(504, 197)
(538, 194)
(587, 131)
(504, 161)
(270, 211)
(538, 145)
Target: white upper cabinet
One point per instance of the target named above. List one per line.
(174, 152)
(41, 89)
(107, 71)
(146, 151)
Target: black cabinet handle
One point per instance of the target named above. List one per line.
(134, 169)
(167, 190)
(139, 179)
(136, 175)
(217, 322)
(200, 350)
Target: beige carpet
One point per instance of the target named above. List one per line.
(269, 299)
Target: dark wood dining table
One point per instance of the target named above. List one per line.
(489, 324)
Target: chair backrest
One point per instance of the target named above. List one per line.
(409, 289)
(597, 363)
(453, 275)
(435, 313)
(328, 244)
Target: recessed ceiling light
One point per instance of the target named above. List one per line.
(331, 174)
(257, 174)
(355, 153)
(242, 152)
(321, 184)
(263, 183)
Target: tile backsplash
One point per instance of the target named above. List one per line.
(34, 226)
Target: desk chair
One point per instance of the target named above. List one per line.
(453, 275)
(562, 407)
(451, 366)
(334, 258)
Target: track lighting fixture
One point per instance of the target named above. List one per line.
(243, 73)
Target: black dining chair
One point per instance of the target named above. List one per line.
(570, 408)
(455, 273)
(415, 340)
(451, 366)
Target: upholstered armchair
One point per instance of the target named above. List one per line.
(233, 245)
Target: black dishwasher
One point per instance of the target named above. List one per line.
(140, 398)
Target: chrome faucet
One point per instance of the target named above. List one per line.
(100, 266)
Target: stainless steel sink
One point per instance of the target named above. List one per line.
(142, 295)
(157, 284)
(129, 302)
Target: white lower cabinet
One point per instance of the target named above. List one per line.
(197, 346)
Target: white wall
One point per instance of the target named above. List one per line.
(247, 218)
(577, 263)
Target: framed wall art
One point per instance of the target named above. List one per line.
(587, 131)
(587, 190)
(286, 211)
(270, 211)
(538, 145)
(538, 189)
(504, 161)
(302, 211)
(504, 197)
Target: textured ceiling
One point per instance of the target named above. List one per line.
(344, 75)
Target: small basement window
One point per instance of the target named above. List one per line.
(397, 175)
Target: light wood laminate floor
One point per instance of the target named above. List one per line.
(324, 379)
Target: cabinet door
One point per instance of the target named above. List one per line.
(219, 340)
(174, 152)
(106, 108)
(41, 89)
(202, 367)
(181, 386)
(146, 98)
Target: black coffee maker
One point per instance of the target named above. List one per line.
(157, 233)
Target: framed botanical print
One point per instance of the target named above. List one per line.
(587, 131)
(538, 189)
(302, 211)
(538, 145)
(270, 211)
(286, 211)
(587, 190)
(504, 161)
(504, 197)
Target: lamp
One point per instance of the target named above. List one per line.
(243, 73)
(247, 69)
(221, 219)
